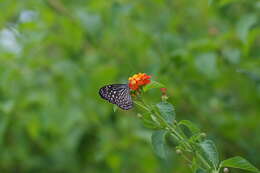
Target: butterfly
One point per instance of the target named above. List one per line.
(118, 94)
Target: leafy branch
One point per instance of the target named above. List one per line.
(200, 153)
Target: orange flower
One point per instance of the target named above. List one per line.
(138, 80)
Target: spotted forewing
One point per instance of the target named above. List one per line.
(118, 94)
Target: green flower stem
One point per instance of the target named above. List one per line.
(172, 128)
(189, 147)
(199, 156)
(142, 106)
(165, 123)
(182, 138)
(176, 132)
(186, 158)
(173, 135)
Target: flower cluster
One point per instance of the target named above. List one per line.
(138, 80)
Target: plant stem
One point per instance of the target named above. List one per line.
(202, 160)
(177, 133)
(142, 106)
(172, 129)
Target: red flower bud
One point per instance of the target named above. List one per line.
(164, 90)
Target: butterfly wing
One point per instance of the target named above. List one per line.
(118, 94)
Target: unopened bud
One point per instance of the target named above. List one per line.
(163, 90)
(225, 170)
(164, 98)
(178, 151)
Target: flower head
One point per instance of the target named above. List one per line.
(138, 80)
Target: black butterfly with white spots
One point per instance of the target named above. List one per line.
(118, 94)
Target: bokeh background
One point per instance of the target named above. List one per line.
(56, 54)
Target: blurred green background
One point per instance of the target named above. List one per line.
(56, 54)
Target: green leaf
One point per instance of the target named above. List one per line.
(209, 150)
(150, 124)
(200, 171)
(159, 144)
(115, 108)
(167, 111)
(232, 55)
(240, 163)
(244, 25)
(153, 84)
(148, 121)
(191, 126)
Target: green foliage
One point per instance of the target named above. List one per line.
(210, 151)
(55, 55)
(191, 126)
(203, 154)
(152, 85)
(148, 120)
(159, 143)
(167, 111)
(240, 163)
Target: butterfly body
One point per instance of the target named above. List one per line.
(118, 94)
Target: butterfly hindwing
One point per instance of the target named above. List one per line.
(118, 94)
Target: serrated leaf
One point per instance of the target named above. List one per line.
(159, 144)
(167, 111)
(239, 163)
(191, 126)
(152, 85)
(209, 150)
